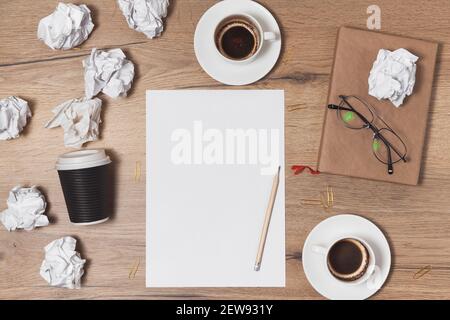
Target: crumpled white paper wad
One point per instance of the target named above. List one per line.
(62, 266)
(80, 119)
(109, 72)
(13, 117)
(26, 207)
(145, 15)
(67, 27)
(393, 75)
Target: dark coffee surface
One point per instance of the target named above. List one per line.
(238, 42)
(345, 257)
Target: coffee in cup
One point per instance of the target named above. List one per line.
(240, 37)
(85, 178)
(348, 259)
(237, 38)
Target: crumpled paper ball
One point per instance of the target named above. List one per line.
(62, 266)
(80, 120)
(109, 72)
(393, 75)
(67, 27)
(145, 15)
(26, 207)
(13, 117)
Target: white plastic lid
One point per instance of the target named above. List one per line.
(82, 159)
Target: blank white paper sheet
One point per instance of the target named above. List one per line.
(211, 159)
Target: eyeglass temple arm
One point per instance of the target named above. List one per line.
(335, 107)
(389, 154)
(395, 150)
(390, 165)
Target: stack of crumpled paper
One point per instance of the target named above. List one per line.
(109, 72)
(106, 71)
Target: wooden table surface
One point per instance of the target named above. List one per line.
(416, 219)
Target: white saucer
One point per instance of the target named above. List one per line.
(327, 231)
(211, 60)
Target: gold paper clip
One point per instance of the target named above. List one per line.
(311, 202)
(134, 269)
(326, 199)
(137, 172)
(422, 271)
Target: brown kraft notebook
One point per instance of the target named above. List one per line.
(349, 152)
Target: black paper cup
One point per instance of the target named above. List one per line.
(85, 180)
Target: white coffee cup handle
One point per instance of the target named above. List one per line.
(319, 249)
(270, 36)
(375, 281)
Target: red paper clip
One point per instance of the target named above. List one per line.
(299, 169)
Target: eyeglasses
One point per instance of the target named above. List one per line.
(356, 114)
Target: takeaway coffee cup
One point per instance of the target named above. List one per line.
(85, 181)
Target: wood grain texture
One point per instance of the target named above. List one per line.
(416, 220)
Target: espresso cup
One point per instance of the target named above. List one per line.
(85, 178)
(350, 260)
(239, 38)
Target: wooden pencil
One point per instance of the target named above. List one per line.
(268, 216)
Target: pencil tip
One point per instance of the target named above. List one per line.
(257, 267)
